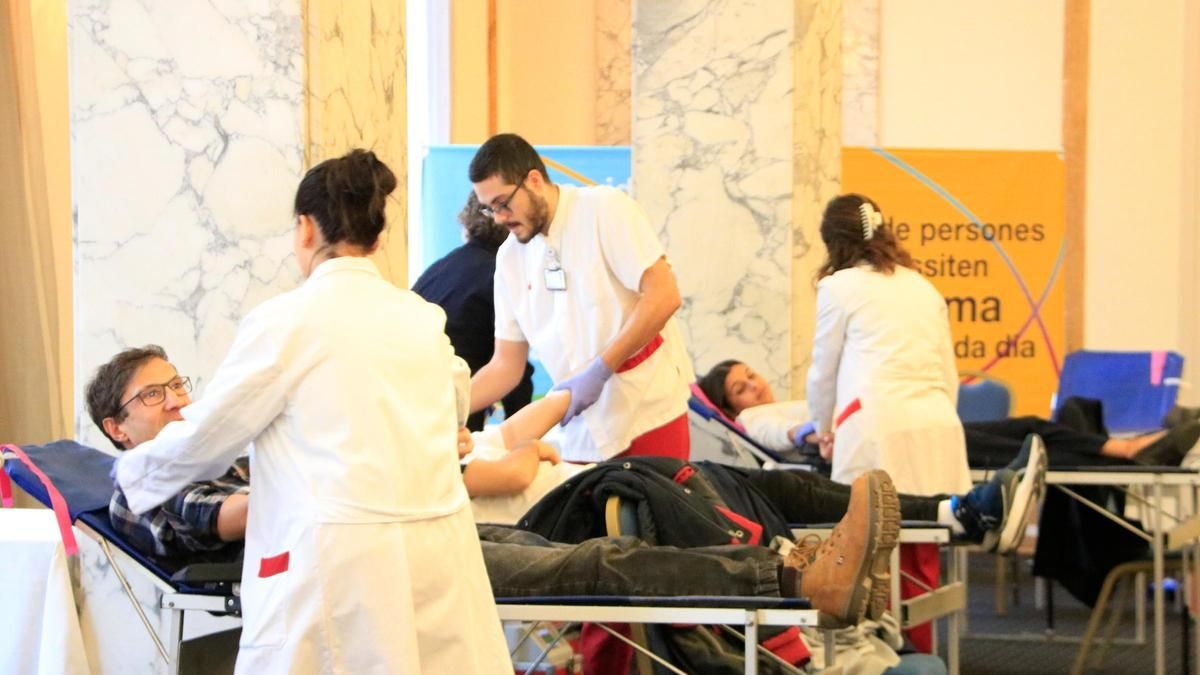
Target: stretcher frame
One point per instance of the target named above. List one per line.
(168, 637)
(1186, 534)
(748, 619)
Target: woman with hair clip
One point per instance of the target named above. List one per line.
(351, 399)
(883, 383)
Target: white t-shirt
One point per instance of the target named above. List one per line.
(508, 509)
(603, 244)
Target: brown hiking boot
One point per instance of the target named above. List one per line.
(836, 575)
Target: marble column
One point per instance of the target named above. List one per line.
(712, 141)
(356, 98)
(613, 52)
(185, 154)
(186, 149)
(817, 154)
(860, 77)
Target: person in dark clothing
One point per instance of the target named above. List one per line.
(461, 284)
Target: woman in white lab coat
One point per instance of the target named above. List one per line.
(883, 377)
(361, 552)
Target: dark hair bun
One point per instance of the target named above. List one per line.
(348, 197)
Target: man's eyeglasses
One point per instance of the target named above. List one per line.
(154, 394)
(502, 205)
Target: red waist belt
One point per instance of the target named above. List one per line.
(642, 354)
(849, 410)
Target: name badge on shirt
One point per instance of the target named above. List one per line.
(556, 279)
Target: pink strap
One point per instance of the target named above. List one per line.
(699, 393)
(1158, 362)
(61, 513)
(5, 490)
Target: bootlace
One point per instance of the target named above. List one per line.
(806, 550)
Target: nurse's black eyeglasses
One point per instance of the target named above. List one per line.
(154, 394)
(502, 206)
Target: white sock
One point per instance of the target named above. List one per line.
(946, 517)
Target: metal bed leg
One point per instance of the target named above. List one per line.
(1160, 644)
(137, 607)
(173, 628)
(957, 572)
(1139, 608)
(751, 643)
(896, 606)
(1194, 596)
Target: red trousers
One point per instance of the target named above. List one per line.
(923, 562)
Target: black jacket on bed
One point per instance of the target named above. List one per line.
(678, 504)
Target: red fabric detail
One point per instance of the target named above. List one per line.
(745, 523)
(789, 646)
(5, 490)
(61, 513)
(642, 354)
(670, 440)
(276, 564)
(923, 561)
(699, 393)
(604, 654)
(684, 474)
(854, 407)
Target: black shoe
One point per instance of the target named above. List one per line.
(1181, 415)
(1171, 448)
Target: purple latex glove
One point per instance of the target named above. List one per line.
(802, 433)
(585, 387)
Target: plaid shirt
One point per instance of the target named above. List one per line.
(187, 523)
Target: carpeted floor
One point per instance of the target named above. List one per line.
(987, 656)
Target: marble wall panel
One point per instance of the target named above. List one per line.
(356, 98)
(712, 167)
(817, 153)
(185, 157)
(614, 31)
(860, 78)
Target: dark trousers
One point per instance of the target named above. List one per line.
(995, 444)
(809, 497)
(522, 564)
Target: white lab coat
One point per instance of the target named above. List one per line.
(361, 553)
(884, 339)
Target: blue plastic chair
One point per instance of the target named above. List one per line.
(1137, 389)
(985, 399)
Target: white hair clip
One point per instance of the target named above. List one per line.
(871, 220)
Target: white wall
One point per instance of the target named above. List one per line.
(976, 74)
(971, 74)
(1141, 250)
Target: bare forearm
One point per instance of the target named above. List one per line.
(505, 476)
(491, 383)
(658, 301)
(231, 518)
(535, 419)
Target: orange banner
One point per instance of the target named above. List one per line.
(986, 228)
